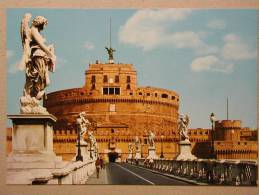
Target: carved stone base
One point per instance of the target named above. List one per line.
(130, 156)
(185, 151)
(152, 153)
(32, 153)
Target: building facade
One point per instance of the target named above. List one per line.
(118, 108)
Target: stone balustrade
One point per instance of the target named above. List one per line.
(72, 173)
(214, 172)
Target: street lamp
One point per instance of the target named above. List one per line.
(162, 147)
(79, 157)
(212, 120)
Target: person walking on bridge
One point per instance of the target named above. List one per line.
(98, 166)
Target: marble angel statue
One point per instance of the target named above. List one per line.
(37, 60)
(183, 124)
(151, 138)
(137, 143)
(92, 140)
(82, 124)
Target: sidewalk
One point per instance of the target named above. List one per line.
(92, 180)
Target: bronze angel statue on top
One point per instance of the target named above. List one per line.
(37, 60)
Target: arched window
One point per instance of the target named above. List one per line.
(128, 86)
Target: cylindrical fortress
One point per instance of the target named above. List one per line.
(113, 101)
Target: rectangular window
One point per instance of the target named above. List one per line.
(117, 91)
(111, 91)
(105, 91)
(117, 79)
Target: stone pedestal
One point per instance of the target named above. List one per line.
(32, 153)
(185, 151)
(32, 138)
(152, 153)
(130, 156)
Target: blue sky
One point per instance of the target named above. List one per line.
(203, 55)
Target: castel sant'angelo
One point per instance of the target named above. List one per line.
(119, 110)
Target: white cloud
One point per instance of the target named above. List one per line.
(216, 24)
(149, 29)
(211, 63)
(236, 49)
(88, 45)
(10, 53)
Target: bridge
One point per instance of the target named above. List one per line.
(178, 172)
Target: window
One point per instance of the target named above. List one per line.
(111, 91)
(93, 79)
(112, 130)
(173, 97)
(105, 91)
(131, 93)
(128, 86)
(140, 93)
(93, 86)
(155, 94)
(117, 79)
(128, 79)
(117, 91)
(148, 94)
(105, 78)
(164, 95)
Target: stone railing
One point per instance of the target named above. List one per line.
(74, 173)
(214, 172)
(71, 173)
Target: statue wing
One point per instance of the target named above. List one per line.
(24, 28)
(25, 38)
(187, 120)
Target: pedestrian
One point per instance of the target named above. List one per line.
(101, 162)
(98, 166)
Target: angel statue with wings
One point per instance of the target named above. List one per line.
(92, 140)
(110, 52)
(183, 124)
(82, 124)
(38, 58)
(137, 143)
(151, 138)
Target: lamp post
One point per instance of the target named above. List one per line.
(212, 120)
(162, 147)
(79, 157)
